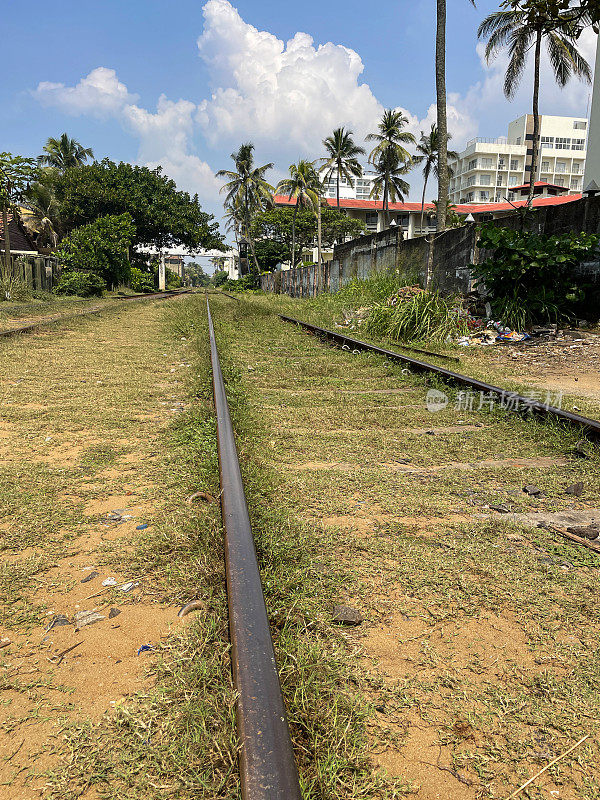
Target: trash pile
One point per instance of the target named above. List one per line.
(493, 333)
(404, 293)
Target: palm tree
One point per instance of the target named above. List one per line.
(428, 155)
(41, 214)
(246, 190)
(389, 170)
(64, 153)
(442, 119)
(519, 31)
(390, 136)
(304, 186)
(342, 155)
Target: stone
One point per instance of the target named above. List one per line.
(114, 612)
(344, 615)
(532, 490)
(90, 577)
(585, 531)
(575, 489)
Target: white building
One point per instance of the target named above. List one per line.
(486, 169)
(592, 167)
(361, 190)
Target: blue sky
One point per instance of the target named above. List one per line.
(98, 71)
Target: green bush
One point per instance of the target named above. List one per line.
(101, 247)
(141, 281)
(83, 284)
(531, 277)
(427, 316)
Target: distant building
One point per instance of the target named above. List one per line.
(175, 263)
(360, 190)
(592, 169)
(490, 170)
(21, 243)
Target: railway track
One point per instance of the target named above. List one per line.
(297, 404)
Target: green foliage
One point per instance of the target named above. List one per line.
(163, 217)
(82, 284)
(219, 278)
(427, 316)
(172, 279)
(270, 253)
(141, 281)
(196, 274)
(277, 225)
(101, 247)
(531, 277)
(15, 173)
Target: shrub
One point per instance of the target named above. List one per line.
(83, 284)
(424, 316)
(531, 277)
(101, 247)
(141, 281)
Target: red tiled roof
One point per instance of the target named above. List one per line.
(461, 208)
(539, 185)
(488, 208)
(19, 238)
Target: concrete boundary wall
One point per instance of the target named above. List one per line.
(445, 257)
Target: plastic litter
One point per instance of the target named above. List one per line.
(83, 618)
(109, 582)
(142, 527)
(127, 587)
(56, 622)
(4, 642)
(145, 648)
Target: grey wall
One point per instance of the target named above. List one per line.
(448, 257)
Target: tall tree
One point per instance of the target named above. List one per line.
(428, 155)
(342, 158)
(304, 186)
(519, 31)
(442, 118)
(390, 136)
(64, 153)
(389, 172)
(41, 213)
(247, 190)
(16, 173)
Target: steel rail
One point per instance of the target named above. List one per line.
(33, 326)
(267, 767)
(511, 400)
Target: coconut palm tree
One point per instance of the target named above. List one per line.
(41, 214)
(442, 118)
(428, 155)
(389, 171)
(64, 153)
(246, 190)
(519, 31)
(390, 136)
(341, 159)
(304, 186)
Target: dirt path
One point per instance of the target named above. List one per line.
(477, 648)
(83, 413)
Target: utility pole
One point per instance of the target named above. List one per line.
(162, 273)
(592, 163)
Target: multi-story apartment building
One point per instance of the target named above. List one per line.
(486, 169)
(361, 190)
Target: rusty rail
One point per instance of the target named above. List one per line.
(267, 767)
(512, 400)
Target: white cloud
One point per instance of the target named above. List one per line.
(100, 94)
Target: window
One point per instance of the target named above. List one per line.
(371, 220)
(547, 142)
(500, 180)
(518, 140)
(514, 163)
(487, 163)
(575, 183)
(577, 168)
(470, 197)
(502, 162)
(545, 166)
(578, 144)
(561, 166)
(484, 196)
(562, 143)
(559, 181)
(472, 164)
(513, 180)
(485, 180)
(579, 126)
(472, 180)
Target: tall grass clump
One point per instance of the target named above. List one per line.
(426, 316)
